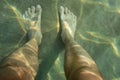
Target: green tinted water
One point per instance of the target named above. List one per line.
(97, 31)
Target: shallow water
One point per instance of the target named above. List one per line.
(97, 31)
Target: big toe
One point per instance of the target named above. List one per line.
(39, 10)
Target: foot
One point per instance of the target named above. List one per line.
(68, 20)
(32, 19)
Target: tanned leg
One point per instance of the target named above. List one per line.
(78, 64)
(23, 63)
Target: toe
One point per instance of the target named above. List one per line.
(69, 11)
(75, 17)
(72, 15)
(61, 10)
(38, 8)
(23, 16)
(66, 10)
(29, 11)
(33, 10)
(26, 14)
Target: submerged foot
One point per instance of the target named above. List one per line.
(32, 19)
(68, 20)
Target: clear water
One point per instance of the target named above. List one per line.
(98, 24)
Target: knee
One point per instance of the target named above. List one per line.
(88, 76)
(13, 73)
(85, 75)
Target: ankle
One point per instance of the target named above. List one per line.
(69, 42)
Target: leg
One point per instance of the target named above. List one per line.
(23, 63)
(78, 64)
